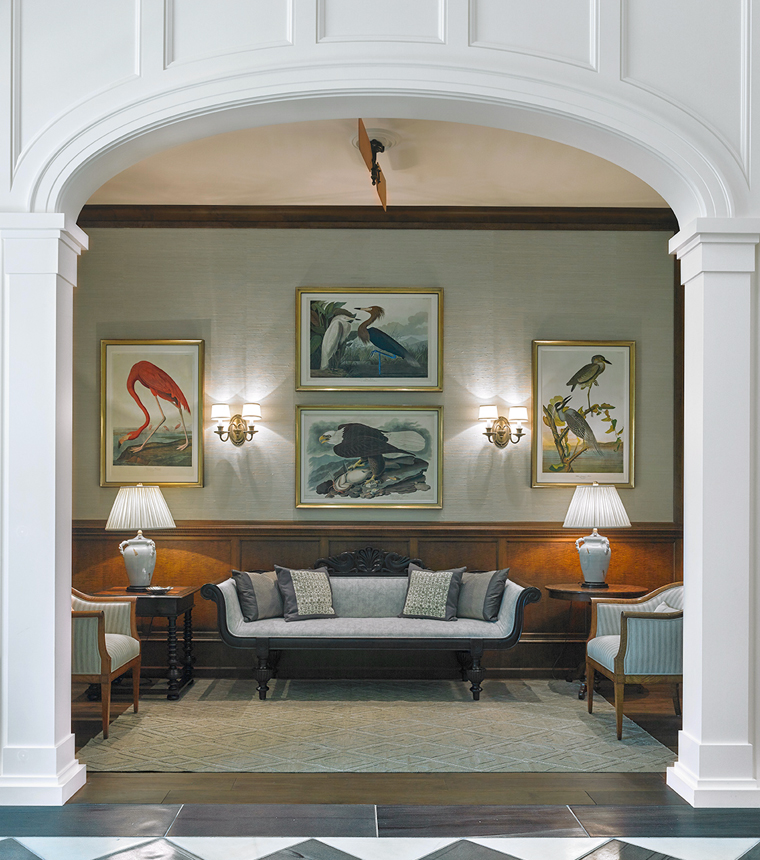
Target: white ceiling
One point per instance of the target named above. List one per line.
(433, 164)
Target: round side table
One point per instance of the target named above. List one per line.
(575, 592)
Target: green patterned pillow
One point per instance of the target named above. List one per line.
(305, 593)
(432, 593)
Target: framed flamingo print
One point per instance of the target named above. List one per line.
(362, 339)
(151, 398)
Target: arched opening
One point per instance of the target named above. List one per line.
(219, 286)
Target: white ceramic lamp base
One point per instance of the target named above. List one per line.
(594, 555)
(140, 559)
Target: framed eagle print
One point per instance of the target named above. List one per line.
(369, 339)
(369, 457)
(150, 412)
(583, 402)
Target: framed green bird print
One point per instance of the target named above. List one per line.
(583, 412)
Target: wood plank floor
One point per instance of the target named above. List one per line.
(651, 708)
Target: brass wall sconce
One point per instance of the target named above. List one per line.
(499, 429)
(240, 427)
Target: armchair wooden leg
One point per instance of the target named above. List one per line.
(136, 686)
(105, 704)
(590, 677)
(677, 699)
(619, 695)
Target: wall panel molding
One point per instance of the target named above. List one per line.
(224, 36)
(738, 148)
(586, 56)
(424, 20)
(373, 217)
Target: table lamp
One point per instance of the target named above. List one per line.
(595, 507)
(139, 508)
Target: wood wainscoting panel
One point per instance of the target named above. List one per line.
(539, 554)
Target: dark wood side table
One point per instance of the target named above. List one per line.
(576, 593)
(178, 601)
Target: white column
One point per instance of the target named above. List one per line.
(716, 748)
(38, 255)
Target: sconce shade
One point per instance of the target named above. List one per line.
(220, 411)
(518, 413)
(251, 412)
(488, 413)
(596, 506)
(139, 508)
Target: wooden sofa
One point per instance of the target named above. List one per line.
(369, 586)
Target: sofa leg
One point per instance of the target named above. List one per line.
(475, 675)
(465, 661)
(263, 673)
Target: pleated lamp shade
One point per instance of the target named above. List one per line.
(139, 508)
(596, 506)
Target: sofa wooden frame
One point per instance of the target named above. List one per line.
(370, 562)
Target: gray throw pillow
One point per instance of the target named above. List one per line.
(481, 594)
(432, 593)
(305, 593)
(258, 594)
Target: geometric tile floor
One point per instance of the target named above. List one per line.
(294, 848)
(375, 832)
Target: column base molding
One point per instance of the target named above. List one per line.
(713, 793)
(42, 790)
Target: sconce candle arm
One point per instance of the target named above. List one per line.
(500, 433)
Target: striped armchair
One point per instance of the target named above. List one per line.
(104, 645)
(637, 641)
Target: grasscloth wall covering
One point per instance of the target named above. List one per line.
(502, 289)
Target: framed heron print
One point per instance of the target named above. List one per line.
(369, 457)
(369, 339)
(150, 412)
(583, 404)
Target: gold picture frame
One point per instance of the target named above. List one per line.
(583, 412)
(151, 404)
(369, 457)
(369, 339)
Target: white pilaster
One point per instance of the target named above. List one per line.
(716, 749)
(38, 255)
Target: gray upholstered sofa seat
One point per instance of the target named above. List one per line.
(368, 600)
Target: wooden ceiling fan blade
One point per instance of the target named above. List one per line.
(365, 147)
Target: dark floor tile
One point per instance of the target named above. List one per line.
(555, 821)
(11, 850)
(752, 854)
(295, 819)
(660, 797)
(681, 821)
(158, 850)
(467, 851)
(311, 850)
(616, 850)
(82, 819)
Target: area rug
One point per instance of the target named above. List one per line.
(518, 726)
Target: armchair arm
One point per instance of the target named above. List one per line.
(119, 615)
(605, 611)
(651, 643)
(89, 655)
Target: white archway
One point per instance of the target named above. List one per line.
(683, 161)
